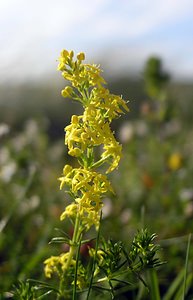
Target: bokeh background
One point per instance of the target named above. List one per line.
(120, 36)
(145, 50)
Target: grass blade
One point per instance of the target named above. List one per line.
(186, 266)
(154, 285)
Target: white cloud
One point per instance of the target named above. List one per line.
(140, 17)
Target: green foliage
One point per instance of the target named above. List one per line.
(154, 77)
(143, 250)
(33, 289)
(23, 291)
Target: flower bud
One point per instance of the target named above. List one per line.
(71, 54)
(64, 53)
(67, 92)
(75, 152)
(74, 119)
(61, 66)
(81, 56)
(67, 169)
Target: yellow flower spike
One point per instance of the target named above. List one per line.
(86, 133)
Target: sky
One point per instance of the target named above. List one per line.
(118, 34)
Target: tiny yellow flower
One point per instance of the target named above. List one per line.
(175, 161)
(70, 211)
(64, 259)
(67, 169)
(75, 152)
(112, 153)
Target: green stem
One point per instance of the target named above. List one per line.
(75, 240)
(94, 261)
(72, 250)
(154, 285)
(99, 162)
(76, 272)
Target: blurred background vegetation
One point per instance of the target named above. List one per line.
(153, 184)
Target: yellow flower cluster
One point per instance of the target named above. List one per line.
(85, 132)
(87, 188)
(82, 76)
(93, 127)
(59, 264)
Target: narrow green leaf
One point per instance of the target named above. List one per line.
(154, 285)
(174, 286)
(59, 240)
(186, 266)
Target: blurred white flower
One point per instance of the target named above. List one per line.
(189, 210)
(3, 223)
(4, 129)
(19, 142)
(27, 137)
(56, 151)
(29, 204)
(7, 171)
(126, 132)
(126, 216)
(171, 128)
(182, 173)
(38, 220)
(34, 201)
(107, 208)
(186, 194)
(31, 130)
(4, 155)
(141, 128)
